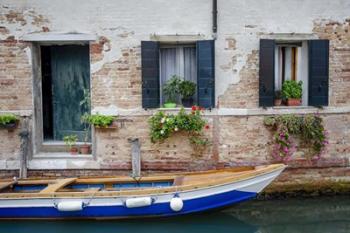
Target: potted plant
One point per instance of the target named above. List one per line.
(85, 148)
(8, 121)
(70, 141)
(100, 121)
(292, 91)
(278, 98)
(187, 89)
(171, 91)
(86, 104)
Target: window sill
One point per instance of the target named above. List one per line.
(294, 107)
(61, 155)
(62, 161)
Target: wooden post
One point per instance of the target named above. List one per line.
(135, 157)
(24, 134)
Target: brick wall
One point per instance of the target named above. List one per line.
(15, 75)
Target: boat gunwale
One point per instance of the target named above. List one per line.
(261, 170)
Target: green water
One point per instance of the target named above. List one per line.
(331, 214)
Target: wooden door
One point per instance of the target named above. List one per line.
(70, 76)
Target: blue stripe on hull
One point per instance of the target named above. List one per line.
(160, 209)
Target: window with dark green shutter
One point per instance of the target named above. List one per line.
(305, 61)
(150, 74)
(206, 73)
(266, 72)
(191, 61)
(318, 72)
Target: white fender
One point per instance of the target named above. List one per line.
(176, 204)
(138, 202)
(70, 206)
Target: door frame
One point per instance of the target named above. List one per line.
(38, 133)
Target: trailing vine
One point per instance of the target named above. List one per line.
(308, 128)
(163, 126)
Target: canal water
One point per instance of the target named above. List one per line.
(309, 215)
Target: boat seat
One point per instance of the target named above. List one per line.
(60, 183)
(91, 190)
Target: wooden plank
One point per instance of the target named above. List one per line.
(4, 185)
(57, 185)
(92, 190)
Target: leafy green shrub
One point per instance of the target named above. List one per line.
(98, 120)
(309, 128)
(292, 89)
(70, 140)
(162, 125)
(171, 89)
(8, 119)
(187, 89)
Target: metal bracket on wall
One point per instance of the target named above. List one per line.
(122, 122)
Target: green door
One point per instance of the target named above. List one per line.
(70, 76)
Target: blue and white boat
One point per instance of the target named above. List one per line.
(126, 197)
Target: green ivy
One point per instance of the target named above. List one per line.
(309, 128)
(8, 119)
(98, 120)
(162, 125)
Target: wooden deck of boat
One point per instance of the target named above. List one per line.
(181, 182)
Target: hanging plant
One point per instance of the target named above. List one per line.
(308, 128)
(163, 126)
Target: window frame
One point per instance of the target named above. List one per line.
(164, 45)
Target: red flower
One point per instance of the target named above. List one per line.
(194, 108)
(206, 126)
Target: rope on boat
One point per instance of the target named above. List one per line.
(91, 197)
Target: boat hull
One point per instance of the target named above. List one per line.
(196, 200)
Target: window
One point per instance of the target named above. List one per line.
(192, 62)
(291, 60)
(179, 60)
(306, 61)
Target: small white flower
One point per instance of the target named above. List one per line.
(162, 120)
(176, 129)
(162, 132)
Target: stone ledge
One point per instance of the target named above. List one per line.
(114, 111)
(62, 163)
(22, 113)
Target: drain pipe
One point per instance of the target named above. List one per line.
(215, 18)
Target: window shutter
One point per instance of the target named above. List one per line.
(150, 74)
(206, 73)
(318, 72)
(266, 72)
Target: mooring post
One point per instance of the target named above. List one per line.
(24, 135)
(135, 157)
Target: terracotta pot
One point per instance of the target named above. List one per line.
(74, 150)
(278, 102)
(85, 149)
(293, 102)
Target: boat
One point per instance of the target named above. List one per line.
(132, 197)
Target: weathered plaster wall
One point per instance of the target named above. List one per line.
(237, 134)
(245, 22)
